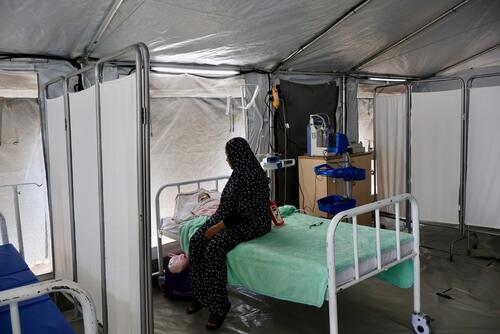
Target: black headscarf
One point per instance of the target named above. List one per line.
(246, 195)
(240, 156)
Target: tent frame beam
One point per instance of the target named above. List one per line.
(332, 26)
(89, 49)
(410, 36)
(479, 54)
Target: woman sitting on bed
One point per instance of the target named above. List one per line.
(242, 215)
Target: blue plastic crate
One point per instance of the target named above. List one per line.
(336, 203)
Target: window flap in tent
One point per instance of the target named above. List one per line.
(20, 84)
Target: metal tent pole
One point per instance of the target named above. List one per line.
(45, 140)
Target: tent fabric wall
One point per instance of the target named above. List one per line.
(22, 161)
(390, 144)
(121, 211)
(20, 84)
(436, 154)
(58, 182)
(189, 132)
(483, 179)
(191, 123)
(82, 108)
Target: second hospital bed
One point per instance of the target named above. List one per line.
(295, 262)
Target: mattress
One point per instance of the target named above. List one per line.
(289, 263)
(38, 315)
(370, 264)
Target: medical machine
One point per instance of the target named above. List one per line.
(319, 134)
(272, 161)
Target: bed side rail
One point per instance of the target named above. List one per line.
(14, 296)
(395, 201)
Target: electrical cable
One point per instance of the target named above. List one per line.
(286, 142)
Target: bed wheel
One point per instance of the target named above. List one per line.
(420, 323)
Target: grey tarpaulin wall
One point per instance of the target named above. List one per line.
(122, 129)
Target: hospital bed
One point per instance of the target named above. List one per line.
(338, 255)
(25, 306)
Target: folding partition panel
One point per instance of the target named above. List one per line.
(119, 123)
(97, 142)
(436, 119)
(82, 109)
(390, 143)
(483, 161)
(59, 189)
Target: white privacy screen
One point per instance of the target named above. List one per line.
(390, 144)
(59, 190)
(121, 212)
(483, 160)
(82, 109)
(435, 154)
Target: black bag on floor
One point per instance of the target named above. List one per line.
(177, 286)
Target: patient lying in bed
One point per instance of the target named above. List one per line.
(206, 205)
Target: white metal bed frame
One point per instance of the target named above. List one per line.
(178, 185)
(13, 297)
(419, 320)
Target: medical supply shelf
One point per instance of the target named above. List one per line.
(312, 187)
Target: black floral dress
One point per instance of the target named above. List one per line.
(244, 210)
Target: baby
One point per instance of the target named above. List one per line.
(206, 205)
(203, 196)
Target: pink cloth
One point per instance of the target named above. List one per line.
(206, 208)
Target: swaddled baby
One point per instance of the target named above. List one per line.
(206, 205)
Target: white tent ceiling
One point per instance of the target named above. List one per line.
(261, 33)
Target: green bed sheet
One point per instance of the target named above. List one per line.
(289, 263)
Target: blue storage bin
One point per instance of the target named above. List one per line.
(336, 203)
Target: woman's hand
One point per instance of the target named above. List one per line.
(212, 231)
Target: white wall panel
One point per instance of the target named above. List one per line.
(435, 154)
(121, 212)
(59, 190)
(86, 193)
(483, 165)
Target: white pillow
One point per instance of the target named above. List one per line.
(186, 202)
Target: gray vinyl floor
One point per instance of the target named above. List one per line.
(469, 301)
